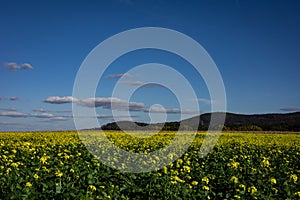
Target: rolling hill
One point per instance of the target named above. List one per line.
(233, 122)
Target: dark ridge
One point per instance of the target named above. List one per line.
(233, 122)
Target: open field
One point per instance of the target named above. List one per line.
(56, 165)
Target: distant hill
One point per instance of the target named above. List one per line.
(233, 122)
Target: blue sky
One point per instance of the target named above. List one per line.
(255, 45)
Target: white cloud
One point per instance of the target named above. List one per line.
(20, 114)
(14, 98)
(26, 66)
(59, 100)
(115, 104)
(133, 83)
(118, 75)
(158, 109)
(12, 66)
(39, 110)
(206, 101)
(42, 115)
(13, 114)
(140, 83)
(8, 109)
(111, 103)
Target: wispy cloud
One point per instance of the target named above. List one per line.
(20, 114)
(42, 110)
(8, 123)
(111, 103)
(158, 109)
(42, 115)
(206, 101)
(26, 66)
(13, 114)
(133, 83)
(8, 109)
(39, 110)
(118, 75)
(14, 98)
(12, 66)
(59, 100)
(140, 83)
(290, 109)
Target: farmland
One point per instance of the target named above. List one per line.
(57, 165)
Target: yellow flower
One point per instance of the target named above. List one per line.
(14, 164)
(205, 180)
(273, 181)
(72, 170)
(92, 188)
(205, 187)
(252, 189)
(165, 169)
(234, 179)
(233, 165)
(194, 183)
(266, 162)
(35, 176)
(28, 184)
(294, 178)
(59, 174)
(176, 178)
(14, 151)
(102, 187)
(297, 194)
(43, 159)
(242, 186)
(275, 190)
(187, 169)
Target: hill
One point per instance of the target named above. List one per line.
(233, 122)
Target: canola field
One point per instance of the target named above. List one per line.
(57, 165)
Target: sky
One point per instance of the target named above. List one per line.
(255, 45)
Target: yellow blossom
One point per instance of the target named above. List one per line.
(187, 169)
(252, 189)
(205, 187)
(92, 188)
(59, 174)
(35, 176)
(234, 179)
(294, 177)
(242, 186)
(273, 181)
(275, 190)
(205, 180)
(266, 162)
(194, 183)
(28, 184)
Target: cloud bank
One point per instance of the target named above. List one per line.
(114, 104)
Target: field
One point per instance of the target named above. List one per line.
(57, 165)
